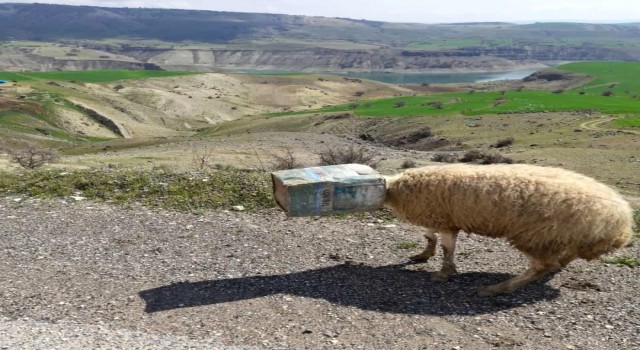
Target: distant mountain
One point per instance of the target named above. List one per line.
(45, 22)
(87, 37)
(54, 22)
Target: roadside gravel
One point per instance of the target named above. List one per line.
(79, 275)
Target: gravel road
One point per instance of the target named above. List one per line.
(78, 275)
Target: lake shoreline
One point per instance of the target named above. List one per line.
(412, 77)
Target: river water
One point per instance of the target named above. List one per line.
(439, 78)
(418, 78)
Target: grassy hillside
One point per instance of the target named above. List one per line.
(614, 90)
(93, 76)
(618, 77)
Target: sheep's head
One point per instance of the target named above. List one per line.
(390, 199)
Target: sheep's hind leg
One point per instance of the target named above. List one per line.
(448, 263)
(537, 269)
(430, 250)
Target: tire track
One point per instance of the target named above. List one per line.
(594, 125)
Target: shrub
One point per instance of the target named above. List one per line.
(408, 163)
(399, 104)
(625, 260)
(31, 157)
(347, 155)
(358, 93)
(192, 192)
(286, 161)
(365, 136)
(436, 104)
(504, 142)
(607, 93)
(445, 158)
(495, 158)
(481, 157)
(472, 156)
(201, 158)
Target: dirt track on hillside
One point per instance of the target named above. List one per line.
(78, 273)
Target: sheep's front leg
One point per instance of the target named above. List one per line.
(448, 263)
(430, 250)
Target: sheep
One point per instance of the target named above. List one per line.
(551, 215)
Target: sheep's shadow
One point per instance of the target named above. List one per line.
(385, 289)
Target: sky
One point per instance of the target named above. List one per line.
(417, 11)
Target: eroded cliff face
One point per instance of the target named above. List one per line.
(469, 59)
(15, 59)
(323, 60)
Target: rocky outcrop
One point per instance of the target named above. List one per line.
(322, 60)
(102, 120)
(25, 59)
(554, 53)
(50, 64)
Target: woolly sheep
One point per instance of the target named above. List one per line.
(551, 215)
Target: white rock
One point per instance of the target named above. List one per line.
(238, 208)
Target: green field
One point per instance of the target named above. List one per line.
(618, 78)
(622, 74)
(91, 76)
(528, 101)
(633, 122)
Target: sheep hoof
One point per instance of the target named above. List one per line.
(419, 258)
(440, 276)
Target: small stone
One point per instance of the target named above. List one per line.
(238, 208)
(609, 326)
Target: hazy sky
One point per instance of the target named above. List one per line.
(423, 11)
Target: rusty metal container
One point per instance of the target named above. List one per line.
(326, 190)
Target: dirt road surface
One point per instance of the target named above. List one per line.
(78, 275)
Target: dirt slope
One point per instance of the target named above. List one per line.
(179, 106)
